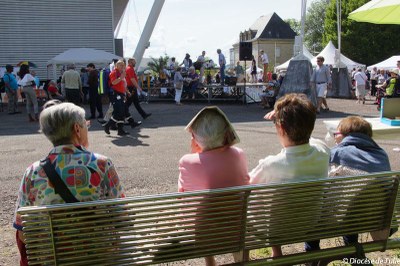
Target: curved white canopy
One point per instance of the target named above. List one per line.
(329, 55)
(386, 64)
(285, 65)
(82, 56)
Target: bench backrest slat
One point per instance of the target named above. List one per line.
(177, 226)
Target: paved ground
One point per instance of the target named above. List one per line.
(147, 159)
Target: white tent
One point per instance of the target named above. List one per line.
(386, 64)
(285, 65)
(80, 56)
(329, 55)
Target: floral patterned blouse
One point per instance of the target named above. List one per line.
(89, 176)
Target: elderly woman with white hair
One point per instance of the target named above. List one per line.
(214, 161)
(193, 82)
(70, 172)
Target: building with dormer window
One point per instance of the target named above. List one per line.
(271, 34)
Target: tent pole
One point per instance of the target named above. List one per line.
(339, 26)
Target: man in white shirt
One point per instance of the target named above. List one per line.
(321, 78)
(71, 80)
(301, 158)
(264, 61)
(374, 80)
(222, 63)
(201, 59)
(360, 79)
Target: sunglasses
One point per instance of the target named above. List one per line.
(336, 134)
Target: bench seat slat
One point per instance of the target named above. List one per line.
(176, 226)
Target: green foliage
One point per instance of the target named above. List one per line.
(314, 25)
(261, 253)
(157, 64)
(294, 24)
(365, 43)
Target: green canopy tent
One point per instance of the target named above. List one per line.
(378, 12)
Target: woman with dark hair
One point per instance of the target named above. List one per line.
(253, 70)
(27, 81)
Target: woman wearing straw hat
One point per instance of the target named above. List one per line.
(214, 161)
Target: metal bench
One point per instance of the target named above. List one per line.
(178, 226)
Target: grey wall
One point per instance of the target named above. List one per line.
(38, 30)
(297, 80)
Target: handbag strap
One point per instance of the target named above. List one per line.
(59, 186)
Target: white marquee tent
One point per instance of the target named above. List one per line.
(81, 56)
(285, 65)
(329, 55)
(386, 64)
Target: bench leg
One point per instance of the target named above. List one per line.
(241, 256)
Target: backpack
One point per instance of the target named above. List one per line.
(3, 84)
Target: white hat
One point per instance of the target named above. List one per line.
(233, 138)
(395, 70)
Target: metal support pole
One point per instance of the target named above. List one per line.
(143, 43)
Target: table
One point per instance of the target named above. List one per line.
(239, 92)
(379, 129)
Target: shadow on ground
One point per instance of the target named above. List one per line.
(166, 114)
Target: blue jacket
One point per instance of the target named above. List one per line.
(359, 151)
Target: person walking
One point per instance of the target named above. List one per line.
(321, 79)
(222, 63)
(11, 87)
(85, 85)
(94, 96)
(27, 81)
(71, 80)
(360, 79)
(374, 80)
(134, 88)
(118, 83)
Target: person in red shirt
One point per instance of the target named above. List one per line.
(134, 88)
(120, 110)
(53, 91)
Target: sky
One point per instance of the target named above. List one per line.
(191, 26)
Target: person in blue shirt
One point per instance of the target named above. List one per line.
(11, 87)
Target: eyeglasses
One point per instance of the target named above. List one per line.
(336, 134)
(88, 124)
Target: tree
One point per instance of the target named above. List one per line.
(157, 64)
(365, 43)
(314, 25)
(294, 24)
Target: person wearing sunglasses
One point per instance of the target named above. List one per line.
(356, 152)
(321, 78)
